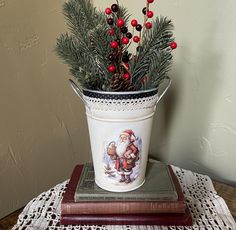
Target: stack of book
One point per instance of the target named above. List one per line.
(159, 201)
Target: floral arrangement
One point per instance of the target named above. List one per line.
(97, 47)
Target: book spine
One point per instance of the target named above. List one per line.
(175, 220)
(128, 197)
(122, 207)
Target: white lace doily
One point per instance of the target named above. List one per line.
(209, 211)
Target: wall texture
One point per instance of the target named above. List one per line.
(43, 130)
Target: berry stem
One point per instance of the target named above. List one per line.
(118, 13)
(144, 22)
(120, 38)
(126, 68)
(127, 46)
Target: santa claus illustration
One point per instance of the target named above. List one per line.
(125, 153)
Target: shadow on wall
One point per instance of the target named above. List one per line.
(183, 117)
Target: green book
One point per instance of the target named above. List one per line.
(158, 186)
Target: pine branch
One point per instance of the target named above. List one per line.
(87, 60)
(79, 15)
(159, 37)
(86, 80)
(87, 47)
(99, 41)
(80, 58)
(123, 13)
(159, 68)
(152, 55)
(66, 49)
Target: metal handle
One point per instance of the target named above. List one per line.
(165, 89)
(77, 90)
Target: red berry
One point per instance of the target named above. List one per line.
(114, 44)
(126, 76)
(111, 68)
(120, 22)
(108, 11)
(134, 22)
(150, 1)
(173, 45)
(136, 39)
(111, 31)
(149, 14)
(148, 25)
(125, 40)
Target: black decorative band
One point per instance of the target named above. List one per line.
(119, 96)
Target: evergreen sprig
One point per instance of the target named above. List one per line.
(154, 57)
(78, 49)
(83, 65)
(86, 47)
(80, 16)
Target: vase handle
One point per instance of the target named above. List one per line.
(165, 89)
(77, 90)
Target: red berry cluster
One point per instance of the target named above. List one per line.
(121, 37)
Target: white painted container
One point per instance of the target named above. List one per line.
(120, 126)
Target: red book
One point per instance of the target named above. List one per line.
(70, 207)
(170, 219)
